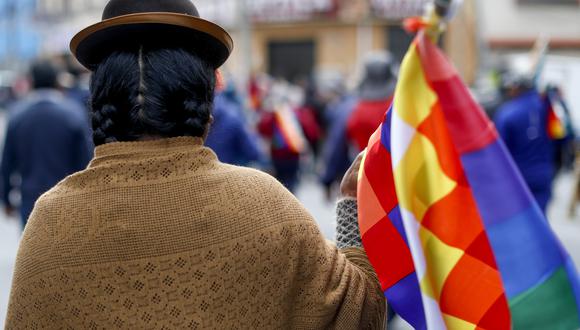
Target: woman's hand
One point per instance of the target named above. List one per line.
(349, 185)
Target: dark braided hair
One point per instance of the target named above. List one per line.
(159, 92)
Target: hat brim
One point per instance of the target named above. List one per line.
(206, 39)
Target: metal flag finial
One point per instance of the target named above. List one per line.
(439, 12)
(446, 9)
(442, 7)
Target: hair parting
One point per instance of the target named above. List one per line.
(165, 92)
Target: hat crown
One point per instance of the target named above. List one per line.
(117, 8)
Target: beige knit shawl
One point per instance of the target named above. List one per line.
(160, 235)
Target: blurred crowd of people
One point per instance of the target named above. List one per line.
(306, 127)
(48, 135)
(309, 128)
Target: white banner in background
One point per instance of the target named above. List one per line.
(398, 9)
(284, 10)
(227, 12)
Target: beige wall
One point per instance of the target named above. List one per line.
(461, 42)
(337, 45)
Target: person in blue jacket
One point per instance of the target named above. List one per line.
(229, 136)
(522, 123)
(47, 139)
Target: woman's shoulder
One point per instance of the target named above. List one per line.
(256, 184)
(260, 195)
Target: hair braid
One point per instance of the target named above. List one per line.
(197, 117)
(103, 124)
(161, 92)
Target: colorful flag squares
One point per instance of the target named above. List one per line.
(455, 236)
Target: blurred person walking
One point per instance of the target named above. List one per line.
(311, 114)
(336, 153)
(47, 138)
(375, 97)
(78, 89)
(355, 117)
(523, 123)
(290, 132)
(229, 136)
(157, 233)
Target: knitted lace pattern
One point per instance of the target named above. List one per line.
(347, 229)
(160, 235)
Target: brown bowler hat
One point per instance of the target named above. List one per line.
(129, 23)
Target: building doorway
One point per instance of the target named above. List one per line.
(398, 41)
(291, 60)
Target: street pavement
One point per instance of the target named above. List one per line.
(312, 196)
(9, 233)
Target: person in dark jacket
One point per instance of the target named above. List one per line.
(47, 139)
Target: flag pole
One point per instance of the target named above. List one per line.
(442, 7)
(439, 13)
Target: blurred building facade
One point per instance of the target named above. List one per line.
(286, 38)
(512, 25)
(18, 39)
(31, 28)
(295, 38)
